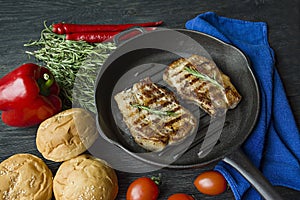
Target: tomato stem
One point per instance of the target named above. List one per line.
(157, 179)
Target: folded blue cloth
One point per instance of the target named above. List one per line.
(274, 145)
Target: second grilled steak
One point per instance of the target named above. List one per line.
(153, 115)
(199, 80)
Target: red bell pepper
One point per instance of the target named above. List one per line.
(28, 96)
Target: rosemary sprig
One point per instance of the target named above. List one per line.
(203, 77)
(74, 65)
(154, 111)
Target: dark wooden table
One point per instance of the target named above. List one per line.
(21, 21)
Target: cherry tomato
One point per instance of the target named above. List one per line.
(180, 196)
(142, 189)
(211, 183)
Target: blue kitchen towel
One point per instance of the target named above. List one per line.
(274, 145)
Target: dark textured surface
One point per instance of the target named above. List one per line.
(21, 21)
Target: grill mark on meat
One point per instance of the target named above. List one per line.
(152, 93)
(176, 109)
(194, 80)
(171, 122)
(139, 119)
(164, 103)
(186, 76)
(153, 99)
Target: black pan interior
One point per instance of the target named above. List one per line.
(132, 61)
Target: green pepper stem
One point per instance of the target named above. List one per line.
(45, 83)
(49, 80)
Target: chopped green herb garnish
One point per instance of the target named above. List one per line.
(154, 111)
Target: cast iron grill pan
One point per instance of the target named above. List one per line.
(136, 64)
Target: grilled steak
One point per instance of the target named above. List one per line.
(154, 116)
(199, 80)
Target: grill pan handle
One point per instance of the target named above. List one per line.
(130, 33)
(243, 165)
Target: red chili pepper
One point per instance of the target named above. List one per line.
(63, 28)
(97, 37)
(28, 96)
